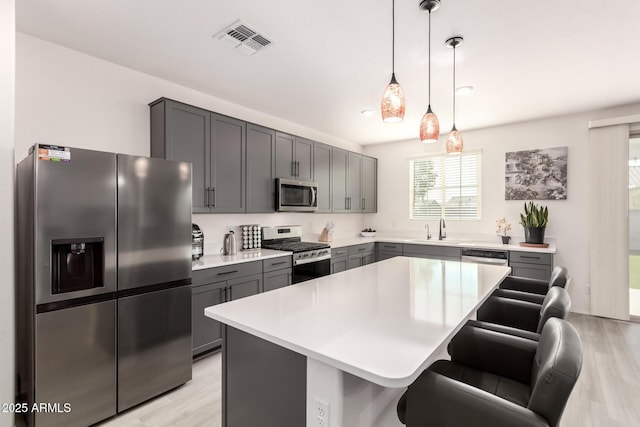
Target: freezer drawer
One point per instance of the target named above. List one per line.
(76, 364)
(154, 344)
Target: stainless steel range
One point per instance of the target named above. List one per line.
(310, 259)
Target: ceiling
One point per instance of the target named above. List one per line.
(331, 59)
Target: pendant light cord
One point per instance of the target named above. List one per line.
(393, 37)
(429, 57)
(454, 86)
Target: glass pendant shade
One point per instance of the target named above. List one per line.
(454, 142)
(393, 102)
(429, 127)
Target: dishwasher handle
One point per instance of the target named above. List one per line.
(484, 260)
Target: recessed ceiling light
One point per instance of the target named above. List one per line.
(367, 112)
(465, 90)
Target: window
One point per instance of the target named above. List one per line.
(445, 186)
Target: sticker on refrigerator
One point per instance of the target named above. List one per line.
(53, 153)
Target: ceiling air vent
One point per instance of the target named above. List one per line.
(244, 38)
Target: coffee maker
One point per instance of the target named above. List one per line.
(197, 242)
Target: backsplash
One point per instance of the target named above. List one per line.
(214, 226)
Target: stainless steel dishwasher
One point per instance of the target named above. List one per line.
(485, 256)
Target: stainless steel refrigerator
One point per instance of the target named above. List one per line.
(103, 282)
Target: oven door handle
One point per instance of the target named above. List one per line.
(310, 260)
(483, 260)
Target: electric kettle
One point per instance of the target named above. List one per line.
(229, 244)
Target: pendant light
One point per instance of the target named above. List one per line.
(429, 125)
(393, 102)
(454, 140)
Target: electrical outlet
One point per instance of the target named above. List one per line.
(587, 288)
(322, 412)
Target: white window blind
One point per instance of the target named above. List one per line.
(445, 186)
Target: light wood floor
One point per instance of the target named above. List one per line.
(607, 393)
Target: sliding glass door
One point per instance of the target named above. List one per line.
(634, 225)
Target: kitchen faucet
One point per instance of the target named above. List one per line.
(443, 232)
(428, 231)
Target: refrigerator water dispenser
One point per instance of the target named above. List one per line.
(77, 264)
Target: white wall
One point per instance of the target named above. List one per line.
(64, 97)
(567, 219)
(69, 98)
(7, 174)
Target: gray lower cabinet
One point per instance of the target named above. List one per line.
(531, 264)
(360, 255)
(385, 250)
(207, 333)
(261, 169)
(322, 175)
(339, 259)
(277, 273)
(214, 286)
(432, 251)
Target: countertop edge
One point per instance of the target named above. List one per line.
(212, 261)
(350, 241)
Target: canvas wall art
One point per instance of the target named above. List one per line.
(539, 174)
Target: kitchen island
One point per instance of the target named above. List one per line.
(353, 341)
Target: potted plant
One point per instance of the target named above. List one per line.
(534, 220)
(502, 227)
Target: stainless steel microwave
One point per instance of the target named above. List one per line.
(296, 196)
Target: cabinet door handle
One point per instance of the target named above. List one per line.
(340, 252)
(346, 203)
(206, 197)
(363, 203)
(362, 249)
(293, 168)
(213, 197)
(227, 272)
(279, 263)
(529, 257)
(297, 168)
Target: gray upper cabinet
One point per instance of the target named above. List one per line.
(339, 165)
(346, 177)
(285, 145)
(261, 169)
(369, 184)
(235, 163)
(294, 157)
(354, 182)
(182, 132)
(322, 175)
(304, 159)
(214, 144)
(228, 146)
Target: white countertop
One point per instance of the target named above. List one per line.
(463, 243)
(210, 261)
(384, 322)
